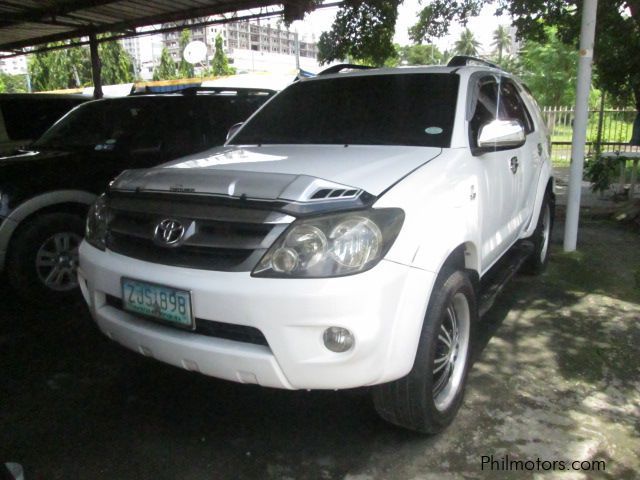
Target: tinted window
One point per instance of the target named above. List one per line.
(512, 106)
(107, 125)
(28, 118)
(407, 109)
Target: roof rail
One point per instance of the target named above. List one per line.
(237, 90)
(343, 66)
(196, 90)
(466, 60)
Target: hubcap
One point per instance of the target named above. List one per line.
(451, 352)
(546, 230)
(57, 261)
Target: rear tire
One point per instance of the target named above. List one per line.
(43, 258)
(537, 262)
(428, 398)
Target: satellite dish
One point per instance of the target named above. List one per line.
(195, 52)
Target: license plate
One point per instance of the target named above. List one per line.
(158, 301)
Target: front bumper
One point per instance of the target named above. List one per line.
(383, 307)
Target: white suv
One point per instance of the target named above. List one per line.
(349, 234)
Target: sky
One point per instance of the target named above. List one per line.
(481, 26)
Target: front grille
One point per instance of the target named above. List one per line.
(222, 259)
(209, 328)
(218, 238)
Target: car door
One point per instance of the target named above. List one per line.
(527, 167)
(497, 189)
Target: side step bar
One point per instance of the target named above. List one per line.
(495, 279)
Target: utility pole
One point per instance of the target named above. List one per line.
(587, 39)
(296, 46)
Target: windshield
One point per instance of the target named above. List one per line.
(398, 109)
(100, 125)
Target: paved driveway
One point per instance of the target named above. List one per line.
(557, 377)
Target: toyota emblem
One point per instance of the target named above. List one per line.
(169, 232)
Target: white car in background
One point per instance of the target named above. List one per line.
(349, 234)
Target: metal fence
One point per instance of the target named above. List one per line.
(608, 130)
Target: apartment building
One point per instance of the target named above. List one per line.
(251, 45)
(14, 65)
(265, 38)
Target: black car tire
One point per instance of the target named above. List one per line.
(412, 402)
(38, 240)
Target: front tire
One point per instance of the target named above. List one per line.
(428, 398)
(43, 257)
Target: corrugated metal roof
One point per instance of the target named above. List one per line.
(25, 23)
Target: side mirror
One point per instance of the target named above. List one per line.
(234, 128)
(501, 135)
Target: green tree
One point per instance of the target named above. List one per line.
(58, 69)
(549, 69)
(467, 44)
(71, 67)
(420, 55)
(509, 63)
(185, 69)
(617, 49)
(361, 30)
(220, 63)
(12, 83)
(117, 65)
(166, 69)
(501, 40)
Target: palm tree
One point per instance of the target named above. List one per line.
(467, 44)
(501, 40)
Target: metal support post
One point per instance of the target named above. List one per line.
(587, 38)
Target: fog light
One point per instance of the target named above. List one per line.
(338, 339)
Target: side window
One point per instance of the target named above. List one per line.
(512, 107)
(485, 109)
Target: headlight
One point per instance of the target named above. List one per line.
(97, 221)
(333, 245)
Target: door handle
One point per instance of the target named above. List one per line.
(514, 164)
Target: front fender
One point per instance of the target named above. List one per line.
(442, 212)
(31, 206)
(545, 183)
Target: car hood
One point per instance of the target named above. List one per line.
(286, 172)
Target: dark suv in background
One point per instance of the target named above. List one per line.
(46, 189)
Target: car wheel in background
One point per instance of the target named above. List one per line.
(43, 257)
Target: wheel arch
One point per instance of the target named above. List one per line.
(66, 201)
(545, 187)
(463, 257)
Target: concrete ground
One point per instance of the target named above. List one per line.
(556, 377)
